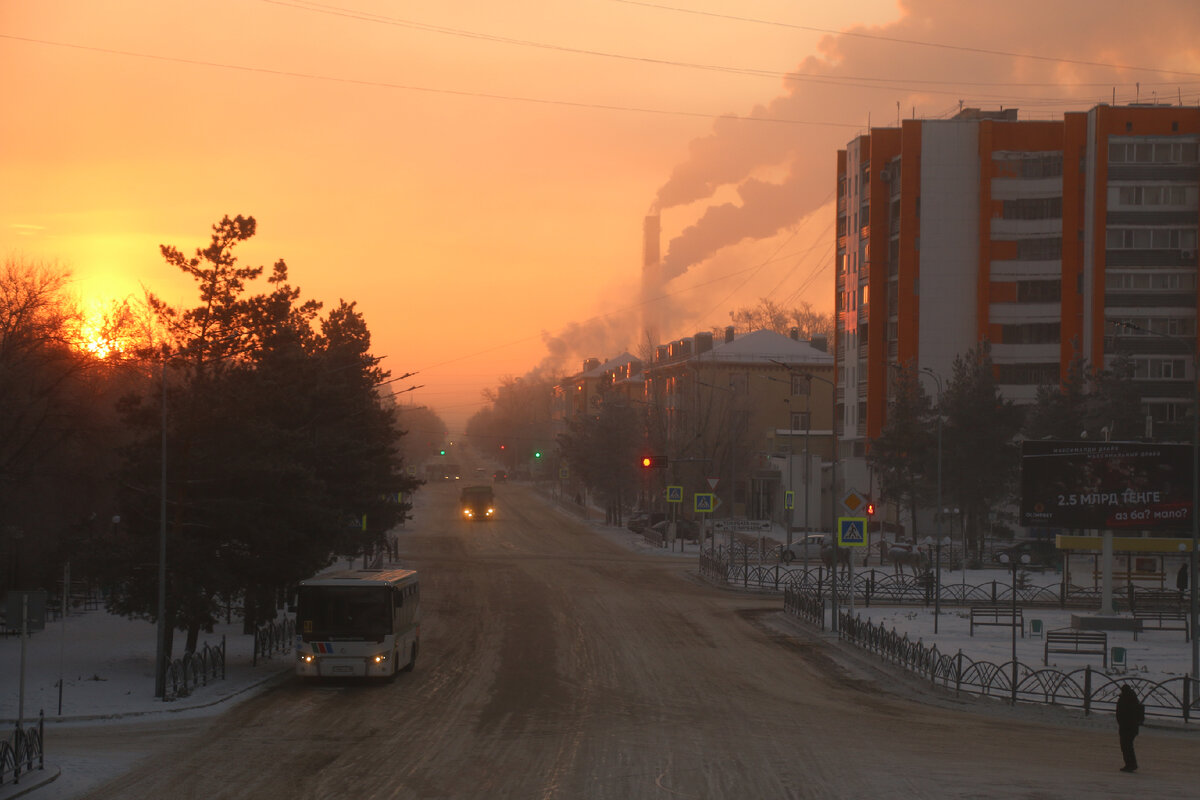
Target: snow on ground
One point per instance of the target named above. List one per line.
(107, 666)
(106, 663)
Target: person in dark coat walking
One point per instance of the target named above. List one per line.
(1130, 715)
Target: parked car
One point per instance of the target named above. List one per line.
(684, 528)
(808, 546)
(1041, 552)
(499, 476)
(644, 519)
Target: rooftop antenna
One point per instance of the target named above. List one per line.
(898, 111)
(1137, 94)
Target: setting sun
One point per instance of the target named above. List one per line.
(99, 330)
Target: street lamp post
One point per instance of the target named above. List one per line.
(160, 652)
(1006, 558)
(832, 485)
(937, 594)
(833, 533)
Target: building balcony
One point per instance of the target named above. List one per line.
(1144, 300)
(1017, 228)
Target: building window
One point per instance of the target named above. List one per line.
(1027, 374)
(1039, 291)
(1042, 165)
(1151, 239)
(1031, 333)
(1150, 281)
(801, 386)
(739, 381)
(1153, 195)
(1033, 208)
(1159, 369)
(1039, 249)
(1168, 412)
(800, 421)
(1159, 326)
(1153, 152)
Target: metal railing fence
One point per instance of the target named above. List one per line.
(23, 751)
(273, 637)
(1088, 689)
(881, 586)
(193, 669)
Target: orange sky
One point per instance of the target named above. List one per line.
(475, 174)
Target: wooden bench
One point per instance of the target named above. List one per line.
(1164, 619)
(1076, 642)
(1005, 616)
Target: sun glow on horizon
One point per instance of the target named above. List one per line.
(99, 331)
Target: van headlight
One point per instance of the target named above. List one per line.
(307, 658)
(380, 658)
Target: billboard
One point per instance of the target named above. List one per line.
(1106, 485)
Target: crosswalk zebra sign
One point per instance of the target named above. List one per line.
(852, 531)
(702, 502)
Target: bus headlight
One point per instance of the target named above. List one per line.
(380, 658)
(307, 658)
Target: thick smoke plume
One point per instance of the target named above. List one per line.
(856, 77)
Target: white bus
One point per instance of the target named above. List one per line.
(358, 623)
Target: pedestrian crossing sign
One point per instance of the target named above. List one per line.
(852, 531)
(789, 500)
(674, 494)
(702, 502)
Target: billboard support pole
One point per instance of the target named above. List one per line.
(1106, 570)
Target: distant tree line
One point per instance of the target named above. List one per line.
(980, 430)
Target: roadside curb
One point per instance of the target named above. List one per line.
(172, 707)
(33, 780)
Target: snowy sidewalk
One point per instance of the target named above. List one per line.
(107, 667)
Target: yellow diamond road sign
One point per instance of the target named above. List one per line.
(853, 500)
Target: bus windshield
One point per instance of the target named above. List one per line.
(345, 613)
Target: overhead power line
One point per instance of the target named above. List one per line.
(428, 89)
(913, 42)
(890, 83)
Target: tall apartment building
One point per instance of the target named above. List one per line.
(1033, 235)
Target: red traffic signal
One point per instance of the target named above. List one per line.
(653, 462)
(870, 509)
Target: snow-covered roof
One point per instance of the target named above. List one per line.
(608, 366)
(766, 346)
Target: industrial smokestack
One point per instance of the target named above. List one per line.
(651, 233)
(651, 276)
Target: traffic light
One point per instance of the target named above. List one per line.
(441, 452)
(870, 509)
(537, 453)
(654, 462)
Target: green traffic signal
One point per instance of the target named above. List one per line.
(537, 454)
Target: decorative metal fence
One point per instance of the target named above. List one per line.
(883, 587)
(23, 752)
(806, 606)
(193, 669)
(1086, 688)
(272, 638)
